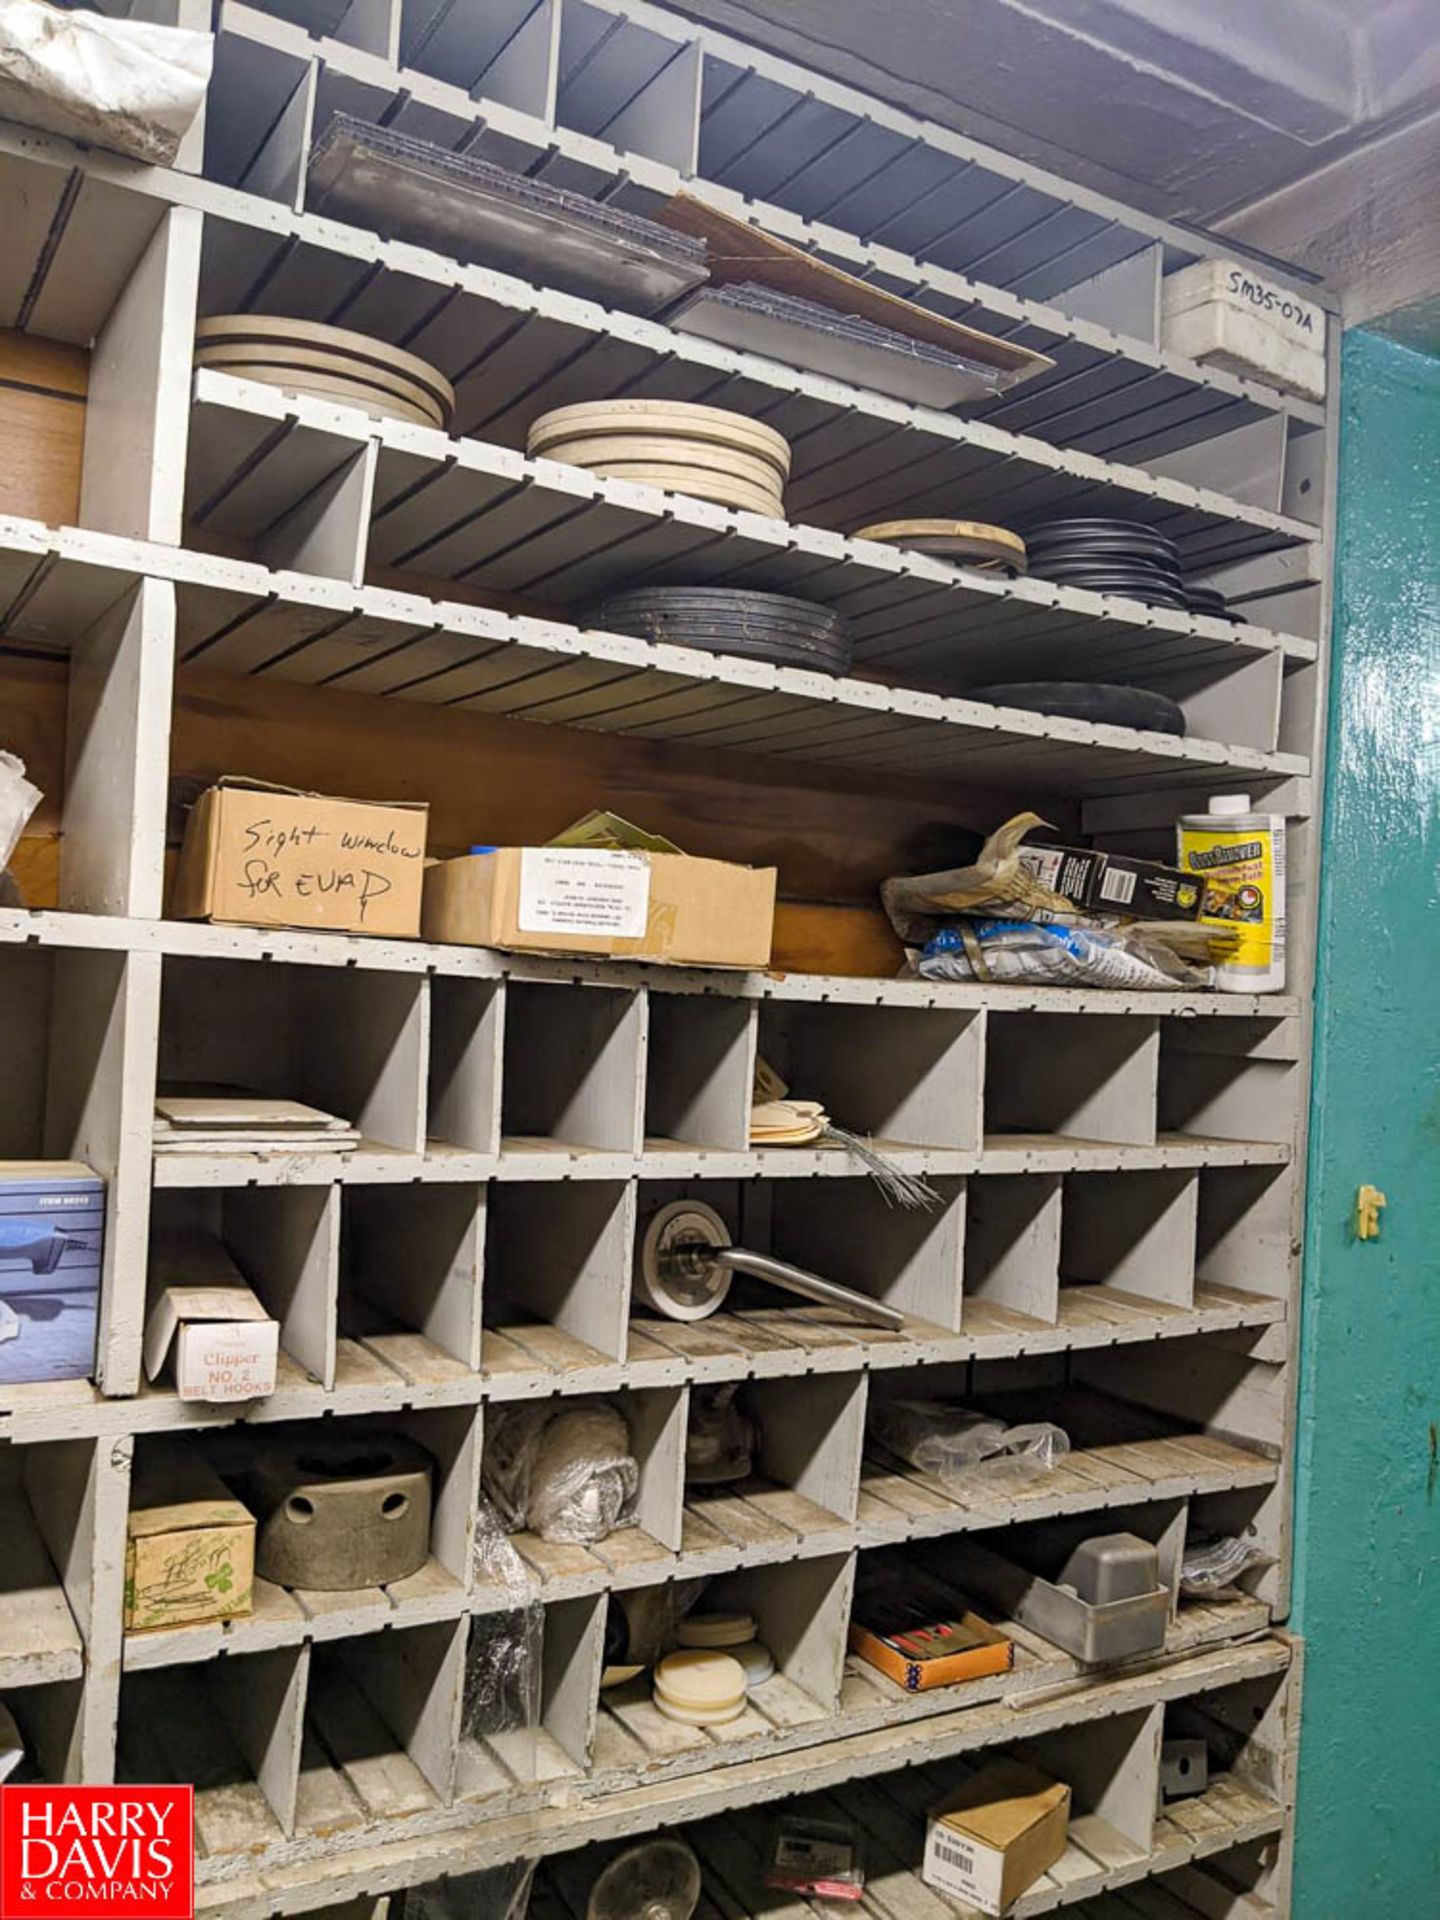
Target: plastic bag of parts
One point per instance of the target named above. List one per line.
(961, 1448)
(995, 885)
(496, 1893)
(1210, 1565)
(1147, 956)
(563, 1470)
(122, 84)
(501, 1698)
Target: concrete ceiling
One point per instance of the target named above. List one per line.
(1188, 108)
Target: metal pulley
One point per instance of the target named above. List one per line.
(687, 1262)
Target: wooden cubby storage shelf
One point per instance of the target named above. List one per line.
(1118, 1175)
(255, 243)
(486, 516)
(495, 93)
(244, 617)
(1238, 1693)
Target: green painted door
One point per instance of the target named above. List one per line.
(1367, 1564)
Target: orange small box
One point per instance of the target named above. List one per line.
(994, 1654)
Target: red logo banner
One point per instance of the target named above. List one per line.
(101, 1851)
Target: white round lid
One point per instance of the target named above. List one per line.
(716, 1630)
(1229, 803)
(698, 1678)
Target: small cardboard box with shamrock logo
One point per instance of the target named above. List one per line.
(190, 1551)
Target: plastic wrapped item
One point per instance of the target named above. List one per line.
(1211, 1564)
(501, 1698)
(721, 1439)
(19, 798)
(961, 1448)
(1147, 957)
(123, 84)
(563, 1470)
(817, 1858)
(496, 1893)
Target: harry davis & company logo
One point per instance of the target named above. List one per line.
(101, 1851)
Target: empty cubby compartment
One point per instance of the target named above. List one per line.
(48, 1498)
(410, 1272)
(1012, 1249)
(699, 1071)
(231, 1729)
(382, 1721)
(299, 501)
(1085, 1077)
(908, 1076)
(501, 49)
(1247, 1232)
(1234, 1079)
(283, 1242)
(573, 1067)
(1228, 1385)
(539, 1476)
(463, 1109)
(69, 1021)
(635, 89)
(1131, 1233)
(557, 1273)
(845, 1230)
(47, 1719)
(532, 1673)
(804, 1444)
(348, 1041)
(257, 1463)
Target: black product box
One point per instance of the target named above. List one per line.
(1101, 883)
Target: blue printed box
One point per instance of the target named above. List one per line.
(52, 1234)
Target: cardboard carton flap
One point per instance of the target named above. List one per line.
(1003, 1801)
(180, 1494)
(241, 783)
(177, 1306)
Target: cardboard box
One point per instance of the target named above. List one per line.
(997, 1835)
(225, 1345)
(628, 904)
(963, 1648)
(262, 856)
(1114, 883)
(52, 1238)
(190, 1548)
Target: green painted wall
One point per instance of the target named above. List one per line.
(1367, 1567)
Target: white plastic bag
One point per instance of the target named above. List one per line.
(19, 798)
(122, 84)
(963, 1449)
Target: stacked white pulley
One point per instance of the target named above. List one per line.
(329, 363)
(705, 452)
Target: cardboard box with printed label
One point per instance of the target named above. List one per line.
(996, 1835)
(263, 856)
(52, 1237)
(223, 1343)
(632, 904)
(190, 1548)
(1113, 883)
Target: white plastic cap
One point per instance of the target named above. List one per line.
(1230, 803)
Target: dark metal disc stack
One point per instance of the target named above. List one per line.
(1210, 600)
(1109, 556)
(760, 626)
